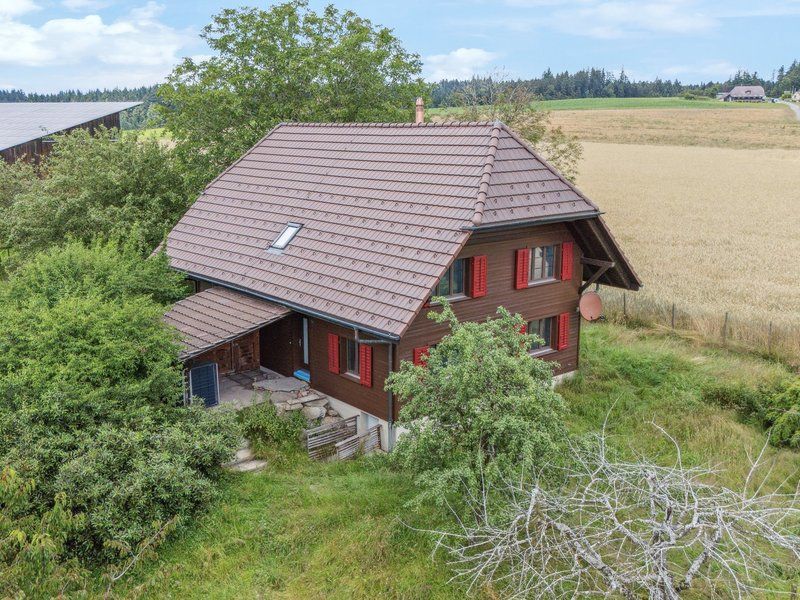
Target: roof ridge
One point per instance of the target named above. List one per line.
(384, 124)
(488, 167)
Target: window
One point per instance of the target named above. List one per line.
(286, 236)
(543, 263)
(544, 328)
(351, 364)
(452, 282)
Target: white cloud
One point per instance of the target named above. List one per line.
(136, 45)
(84, 4)
(462, 63)
(14, 8)
(624, 18)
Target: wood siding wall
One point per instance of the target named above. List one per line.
(35, 150)
(344, 387)
(241, 354)
(535, 302)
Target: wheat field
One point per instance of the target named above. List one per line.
(748, 127)
(713, 230)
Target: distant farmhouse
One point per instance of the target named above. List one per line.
(744, 93)
(26, 127)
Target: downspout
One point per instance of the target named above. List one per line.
(389, 395)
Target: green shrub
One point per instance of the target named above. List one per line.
(737, 396)
(783, 413)
(481, 407)
(91, 397)
(775, 406)
(33, 561)
(267, 430)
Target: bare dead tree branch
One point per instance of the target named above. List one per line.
(628, 528)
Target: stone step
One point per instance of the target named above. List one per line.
(314, 400)
(243, 455)
(284, 384)
(249, 466)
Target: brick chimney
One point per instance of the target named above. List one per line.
(420, 111)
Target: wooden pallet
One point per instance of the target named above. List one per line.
(321, 441)
(356, 445)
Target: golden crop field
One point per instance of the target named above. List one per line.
(711, 229)
(756, 126)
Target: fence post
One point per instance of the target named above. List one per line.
(725, 329)
(624, 305)
(673, 315)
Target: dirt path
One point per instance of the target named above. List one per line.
(795, 108)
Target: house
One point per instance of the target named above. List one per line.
(26, 127)
(744, 93)
(317, 252)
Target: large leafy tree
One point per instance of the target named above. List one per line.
(91, 186)
(480, 408)
(288, 63)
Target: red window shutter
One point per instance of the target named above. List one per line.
(523, 268)
(478, 276)
(421, 355)
(563, 331)
(365, 364)
(566, 261)
(333, 353)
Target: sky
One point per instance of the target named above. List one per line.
(49, 45)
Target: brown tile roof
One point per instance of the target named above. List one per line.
(218, 315)
(385, 208)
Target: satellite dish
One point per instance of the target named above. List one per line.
(591, 306)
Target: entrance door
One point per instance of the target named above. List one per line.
(204, 383)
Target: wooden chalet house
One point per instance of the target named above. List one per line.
(316, 253)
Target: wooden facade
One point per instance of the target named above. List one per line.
(278, 346)
(239, 355)
(34, 150)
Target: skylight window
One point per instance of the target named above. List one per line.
(286, 236)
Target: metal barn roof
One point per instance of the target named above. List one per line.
(384, 210)
(22, 122)
(218, 315)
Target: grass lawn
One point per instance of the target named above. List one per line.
(333, 530)
(623, 103)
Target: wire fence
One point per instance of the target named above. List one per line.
(770, 338)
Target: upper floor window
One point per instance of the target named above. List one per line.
(543, 263)
(545, 329)
(351, 358)
(453, 282)
(286, 236)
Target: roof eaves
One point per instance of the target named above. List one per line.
(294, 306)
(564, 218)
(488, 167)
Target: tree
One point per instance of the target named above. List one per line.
(92, 186)
(480, 407)
(625, 528)
(494, 98)
(288, 63)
